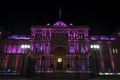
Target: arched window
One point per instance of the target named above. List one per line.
(47, 50)
(37, 48)
(82, 49)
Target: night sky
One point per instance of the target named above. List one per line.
(103, 17)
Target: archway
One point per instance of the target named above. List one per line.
(59, 58)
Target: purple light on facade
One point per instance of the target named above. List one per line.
(72, 50)
(112, 38)
(104, 38)
(15, 49)
(83, 67)
(19, 37)
(94, 38)
(47, 50)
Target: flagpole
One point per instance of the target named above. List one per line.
(60, 13)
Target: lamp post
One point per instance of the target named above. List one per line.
(95, 47)
(25, 48)
(77, 74)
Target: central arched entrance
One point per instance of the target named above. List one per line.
(59, 58)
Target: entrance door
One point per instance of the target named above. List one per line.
(59, 58)
(59, 64)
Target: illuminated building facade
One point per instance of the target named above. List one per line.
(60, 47)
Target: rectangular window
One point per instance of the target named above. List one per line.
(36, 50)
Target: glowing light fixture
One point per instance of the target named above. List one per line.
(95, 46)
(118, 73)
(25, 46)
(59, 60)
(71, 24)
(48, 24)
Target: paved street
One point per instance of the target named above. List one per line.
(98, 78)
(112, 77)
(13, 79)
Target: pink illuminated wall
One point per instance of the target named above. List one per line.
(44, 39)
(14, 49)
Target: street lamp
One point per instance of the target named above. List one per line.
(95, 47)
(25, 47)
(43, 74)
(76, 60)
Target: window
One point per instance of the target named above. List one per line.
(19, 49)
(47, 49)
(72, 50)
(115, 51)
(9, 48)
(73, 64)
(36, 48)
(46, 63)
(82, 49)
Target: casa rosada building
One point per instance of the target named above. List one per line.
(60, 47)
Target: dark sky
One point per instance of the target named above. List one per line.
(101, 16)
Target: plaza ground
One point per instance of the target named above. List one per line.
(108, 77)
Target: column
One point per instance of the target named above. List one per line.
(101, 58)
(86, 48)
(111, 56)
(31, 46)
(39, 63)
(6, 61)
(16, 62)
